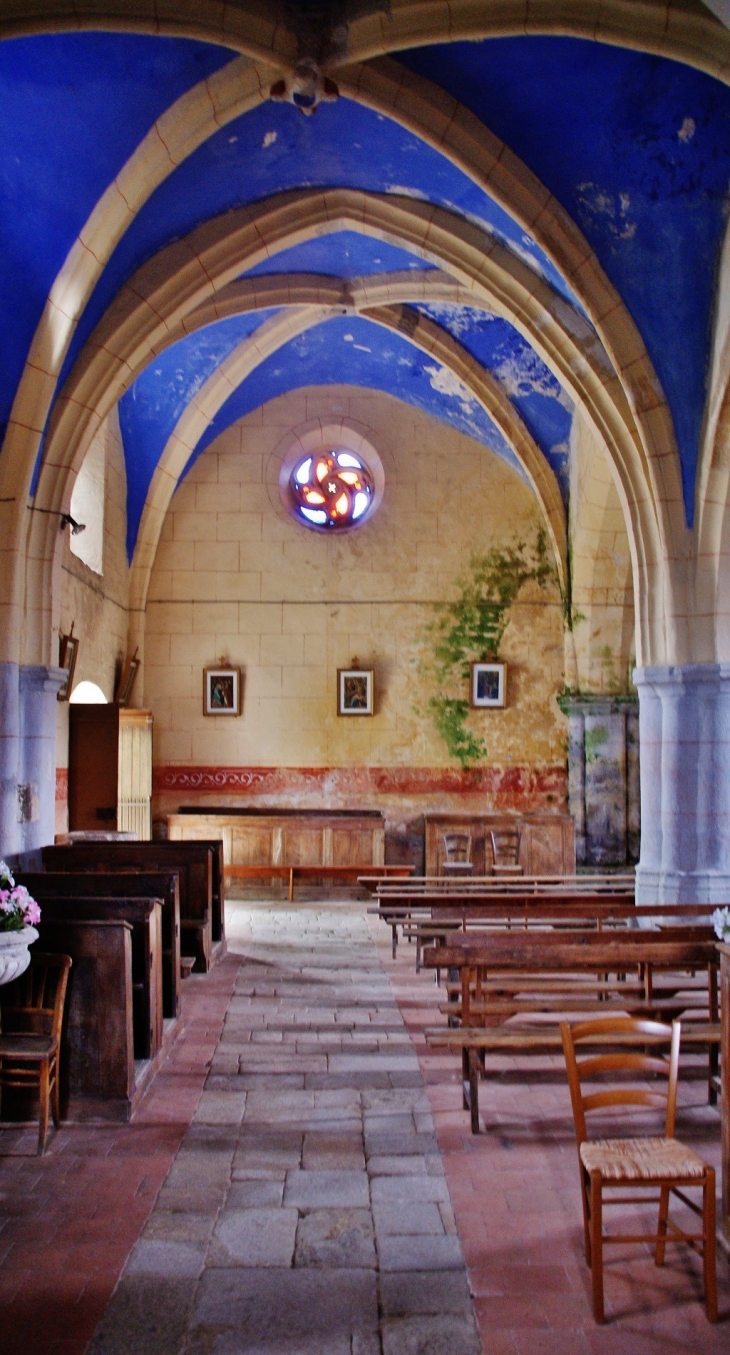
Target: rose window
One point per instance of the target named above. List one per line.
(332, 490)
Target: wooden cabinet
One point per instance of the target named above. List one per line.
(110, 770)
(288, 838)
(547, 845)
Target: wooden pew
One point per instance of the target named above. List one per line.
(143, 916)
(495, 966)
(399, 905)
(352, 874)
(98, 1076)
(198, 865)
(126, 884)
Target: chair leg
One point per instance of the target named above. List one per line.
(708, 1245)
(465, 1077)
(597, 1245)
(662, 1225)
(43, 1094)
(585, 1195)
(56, 1096)
(474, 1089)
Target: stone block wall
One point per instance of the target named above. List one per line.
(237, 578)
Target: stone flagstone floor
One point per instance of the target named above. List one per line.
(281, 1190)
(306, 1212)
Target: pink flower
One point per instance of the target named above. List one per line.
(32, 913)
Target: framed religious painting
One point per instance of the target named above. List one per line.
(488, 685)
(68, 648)
(222, 691)
(128, 673)
(355, 694)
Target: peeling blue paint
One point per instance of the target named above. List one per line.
(152, 406)
(344, 254)
(73, 108)
(545, 408)
(350, 350)
(637, 150)
(345, 145)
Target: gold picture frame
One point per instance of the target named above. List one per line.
(355, 691)
(222, 691)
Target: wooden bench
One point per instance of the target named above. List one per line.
(401, 905)
(502, 963)
(596, 913)
(126, 884)
(197, 864)
(98, 1073)
(143, 916)
(353, 874)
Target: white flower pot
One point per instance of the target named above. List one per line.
(14, 953)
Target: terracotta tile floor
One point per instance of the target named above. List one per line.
(514, 1189)
(69, 1221)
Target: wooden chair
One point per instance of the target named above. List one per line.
(31, 1023)
(638, 1163)
(506, 851)
(457, 847)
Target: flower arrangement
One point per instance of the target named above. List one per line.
(721, 923)
(17, 908)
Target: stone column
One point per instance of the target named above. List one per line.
(27, 755)
(603, 778)
(9, 757)
(684, 720)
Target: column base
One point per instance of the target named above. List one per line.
(682, 886)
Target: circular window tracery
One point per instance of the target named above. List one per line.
(332, 490)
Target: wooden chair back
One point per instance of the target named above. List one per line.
(506, 845)
(633, 1060)
(37, 997)
(457, 847)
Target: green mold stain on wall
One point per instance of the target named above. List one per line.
(469, 630)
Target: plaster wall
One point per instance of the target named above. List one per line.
(236, 577)
(96, 603)
(603, 599)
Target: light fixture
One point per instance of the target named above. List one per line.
(65, 519)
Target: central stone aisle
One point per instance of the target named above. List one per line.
(307, 1211)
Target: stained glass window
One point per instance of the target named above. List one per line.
(332, 490)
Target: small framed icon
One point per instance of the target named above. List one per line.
(222, 691)
(68, 649)
(355, 691)
(127, 675)
(488, 685)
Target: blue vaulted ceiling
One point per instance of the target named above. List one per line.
(344, 254)
(73, 108)
(151, 408)
(273, 149)
(635, 148)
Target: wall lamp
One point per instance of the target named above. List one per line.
(65, 519)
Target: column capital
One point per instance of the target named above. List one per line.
(683, 675)
(594, 703)
(42, 677)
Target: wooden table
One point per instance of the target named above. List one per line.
(309, 872)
